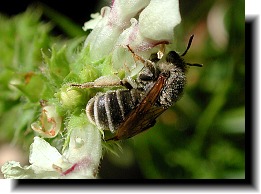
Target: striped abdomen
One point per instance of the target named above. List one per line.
(108, 110)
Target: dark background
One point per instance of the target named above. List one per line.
(78, 11)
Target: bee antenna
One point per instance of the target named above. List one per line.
(189, 44)
(195, 64)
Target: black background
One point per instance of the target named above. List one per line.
(78, 11)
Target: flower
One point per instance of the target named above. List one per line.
(80, 160)
(117, 27)
(49, 123)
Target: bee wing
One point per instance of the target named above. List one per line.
(144, 115)
(148, 120)
(138, 123)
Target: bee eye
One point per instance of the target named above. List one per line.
(154, 57)
(172, 57)
(145, 77)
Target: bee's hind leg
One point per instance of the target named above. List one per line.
(107, 81)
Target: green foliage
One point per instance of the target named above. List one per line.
(21, 39)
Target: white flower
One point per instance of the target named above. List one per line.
(118, 27)
(81, 159)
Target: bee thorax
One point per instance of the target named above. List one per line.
(173, 89)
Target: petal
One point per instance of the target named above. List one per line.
(114, 20)
(103, 37)
(122, 58)
(96, 17)
(84, 141)
(13, 170)
(43, 155)
(123, 10)
(159, 18)
(84, 151)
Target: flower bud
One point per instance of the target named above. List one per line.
(71, 98)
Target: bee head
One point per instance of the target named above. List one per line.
(177, 59)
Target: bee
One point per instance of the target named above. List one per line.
(128, 112)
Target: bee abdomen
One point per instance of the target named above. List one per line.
(108, 110)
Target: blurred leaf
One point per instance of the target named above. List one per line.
(21, 39)
(232, 121)
(32, 86)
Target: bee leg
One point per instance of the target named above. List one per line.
(150, 64)
(101, 82)
(146, 62)
(83, 85)
(108, 81)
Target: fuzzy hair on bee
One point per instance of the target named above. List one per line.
(130, 111)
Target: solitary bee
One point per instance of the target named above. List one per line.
(128, 112)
